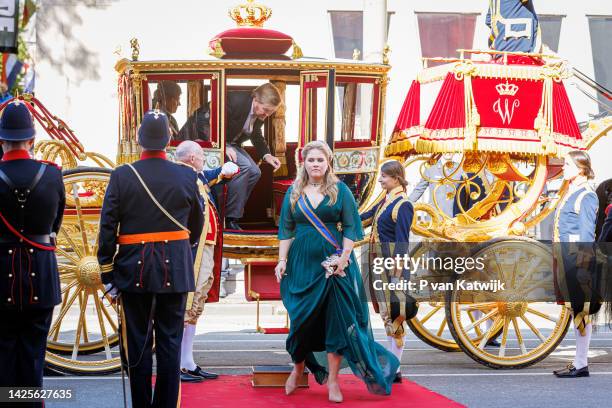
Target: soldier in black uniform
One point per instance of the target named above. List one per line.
(152, 210)
(32, 202)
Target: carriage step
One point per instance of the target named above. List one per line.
(275, 376)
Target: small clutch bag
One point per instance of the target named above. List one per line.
(330, 269)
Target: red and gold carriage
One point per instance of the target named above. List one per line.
(475, 117)
(338, 101)
(505, 120)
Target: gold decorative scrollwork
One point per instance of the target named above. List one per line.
(56, 151)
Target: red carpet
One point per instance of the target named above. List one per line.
(236, 391)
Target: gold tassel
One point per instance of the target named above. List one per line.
(297, 51)
(217, 51)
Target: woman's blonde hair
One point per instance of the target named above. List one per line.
(582, 160)
(330, 181)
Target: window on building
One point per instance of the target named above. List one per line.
(600, 28)
(550, 26)
(441, 34)
(347, 31)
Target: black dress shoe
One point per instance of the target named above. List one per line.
(198, 372)
(493, 343)
(398, 378)
(187, 377)
(232, 223)
(573, 372)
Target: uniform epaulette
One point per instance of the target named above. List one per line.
(578, 202)
(397, 207)
(51, 163)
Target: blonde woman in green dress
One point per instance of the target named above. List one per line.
(330, 325)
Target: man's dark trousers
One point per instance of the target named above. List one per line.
(167, 327)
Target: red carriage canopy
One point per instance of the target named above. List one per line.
(516, 106)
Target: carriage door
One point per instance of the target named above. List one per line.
(317, 106)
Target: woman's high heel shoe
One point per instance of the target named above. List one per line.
(334, 393)
(291, 383)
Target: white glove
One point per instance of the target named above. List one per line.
(111, 289)
(229, 169)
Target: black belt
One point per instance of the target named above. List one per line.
(41, 239)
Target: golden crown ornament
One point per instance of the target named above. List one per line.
(250, 14)
(506, 89)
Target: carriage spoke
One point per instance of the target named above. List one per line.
(65, 309)
(484, 307)
(500, 272)
(110, 319)
(441, 329)
(533, 329)
(70, 286)
(472, 319)
(96, 244)
(65, 294)
(84, 306)
(67, 255)
(542, 315)
(430, 314)
(535, 262)
(513, 279)
(519, 336)
(489, 333)
(77, 201)
(80, 324)
(478, 322)
(502, 348)
(66, 267)
(75, 247)
(72, 276)
(99, 308)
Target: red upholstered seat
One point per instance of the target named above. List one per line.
(260, 281)
(279, 188)
(251, 42)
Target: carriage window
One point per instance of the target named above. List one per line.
(600, 27)
(318, 104)
(353, 111)
(347, 31)
(441, 34)
(186, 103)
(551, 30)
(292, 113)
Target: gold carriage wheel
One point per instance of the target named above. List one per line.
(430, 322)
(84, 328)
(432, 311)
(522, 342)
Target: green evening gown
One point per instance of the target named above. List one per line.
(330, 315)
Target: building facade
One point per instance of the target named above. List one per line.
(78, 43)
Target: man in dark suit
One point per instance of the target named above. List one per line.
(152, 210)
(32, 199)
(245, 114)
